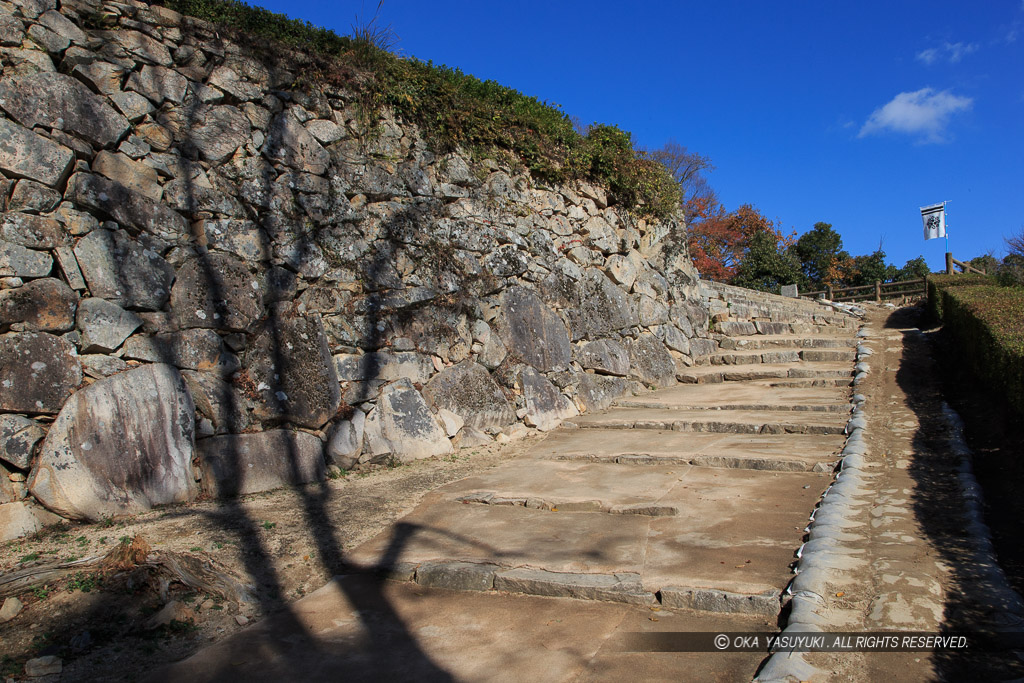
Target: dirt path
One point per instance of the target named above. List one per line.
(287, 543)
(917, 561)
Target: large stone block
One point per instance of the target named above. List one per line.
(223, 404)
(403, 426)
(383, 365)
(23, 154)
(18, 437)
(128, 207)
(596, 392)
(196, 349)
(134, 175)
(217, 132)
(104, 325)
(532, 331)
(650, 362)
(595, 307)
(158, 84)
(290, 364)
(56, 100)
(119, 446)
(468, 390)
(19, 261)
(546, 407)
(289, 143)
(216, 291)
(33, 232)
(22, 518)
(605, 356)
(46, 305)
(121, 270)
(38, 371)
(238, 464)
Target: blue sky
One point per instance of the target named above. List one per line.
(855, 114)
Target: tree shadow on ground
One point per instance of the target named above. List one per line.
(975, 600)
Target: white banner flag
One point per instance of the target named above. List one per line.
(934, 219)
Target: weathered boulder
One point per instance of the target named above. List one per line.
(22, 518)
(18, 437)
(403, 426)
(128, 207)
(596, 392)
(546, 407)
(238, 464)
(291, 366)
(532, 331)
(23, 154)
(604, 356)
(650, 362)
(38, 371)
(289, 143)
(56, 100)
(45, 305)
(119, 446)
(121, 270)
(468, 390)
(104, 325)
(216, 291)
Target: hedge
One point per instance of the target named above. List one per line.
(986, 323)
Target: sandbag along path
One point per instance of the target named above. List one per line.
(677, 510)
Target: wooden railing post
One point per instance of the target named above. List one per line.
(831, 295)
(878, 291)
(949, 263)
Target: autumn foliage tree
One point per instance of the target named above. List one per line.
(720, 243)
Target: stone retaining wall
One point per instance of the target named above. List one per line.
(216, 277)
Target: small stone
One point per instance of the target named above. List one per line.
(172, 611)
(241, 619)
(11, 608)
(43, 666)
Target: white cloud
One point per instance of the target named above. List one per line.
(924, 113)
(952, 52)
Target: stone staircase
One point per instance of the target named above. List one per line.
(694, 497)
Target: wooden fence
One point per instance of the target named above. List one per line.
(878, 291)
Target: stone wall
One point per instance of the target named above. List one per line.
(215, 280)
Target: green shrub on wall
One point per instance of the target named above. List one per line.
(986, 323)
(938, 282)
(456, 110)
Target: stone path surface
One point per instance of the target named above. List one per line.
(678, 510)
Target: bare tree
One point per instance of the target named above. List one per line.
(689, 169)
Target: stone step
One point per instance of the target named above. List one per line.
(825, 408)
(745, 328)
(760, 342)
(786, 453)
(728, 548)
(716, 421)
(783, 356)
(714, 374)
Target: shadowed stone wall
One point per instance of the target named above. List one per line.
(216, 280)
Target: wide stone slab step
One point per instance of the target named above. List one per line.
(766, 342)
(651, 448)
(756, 395)
(717, 421)
(716, 374)
(736, 531)
(783, 356)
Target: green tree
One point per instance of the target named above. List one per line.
(820, 254)
(914, 269)
(870, 269)
(767, 264)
